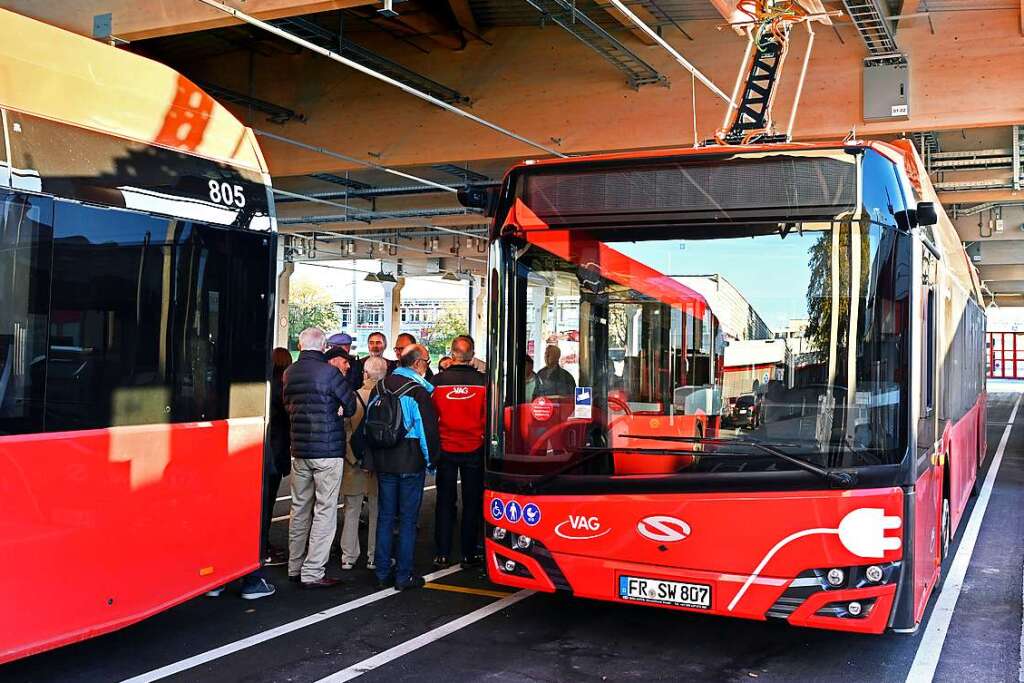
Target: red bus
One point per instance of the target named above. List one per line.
(834, 506)
(137, 257)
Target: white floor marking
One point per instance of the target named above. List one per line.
(927, 658)
(1020, 671)
(283, 629)
(427, 638)
(284, 517)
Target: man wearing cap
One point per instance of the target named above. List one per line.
(316, 397)
(354, 374)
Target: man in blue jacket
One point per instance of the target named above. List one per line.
(316, 397)
(401, 470)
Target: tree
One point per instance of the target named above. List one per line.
(451, 323)
(819, 289)
(309, 305)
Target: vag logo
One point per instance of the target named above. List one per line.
(663, 529)
(459, 393)
(580, 528)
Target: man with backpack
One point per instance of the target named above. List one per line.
(400, 433)
(316, 397)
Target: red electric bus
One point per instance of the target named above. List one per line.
(834, 507)
(137, 257)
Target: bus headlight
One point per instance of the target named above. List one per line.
(498, 534)
(523, 542)
(874, 573)
(835, 577)
(854, 608)
(510, 565)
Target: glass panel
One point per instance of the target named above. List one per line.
(25, 242)
(154, 320)
(655, 344)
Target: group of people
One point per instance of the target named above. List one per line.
(370, 429)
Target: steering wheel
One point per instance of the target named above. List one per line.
(620, 405)
(540, 444)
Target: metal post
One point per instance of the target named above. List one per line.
(640, 24)
(800, 84)
(739, 80)
(393, 306)
(284, 276)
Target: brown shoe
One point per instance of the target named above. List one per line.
(325, 582)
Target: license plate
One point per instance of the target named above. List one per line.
(658, 591)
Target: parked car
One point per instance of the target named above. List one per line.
(742, 412)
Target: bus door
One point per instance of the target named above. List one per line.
(927, 431)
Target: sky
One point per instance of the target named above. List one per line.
(772, 273)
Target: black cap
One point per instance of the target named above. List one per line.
(338, 352)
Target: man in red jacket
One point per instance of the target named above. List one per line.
(460, 395)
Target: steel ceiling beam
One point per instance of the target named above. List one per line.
(314, 33)
(330, 54)
(564, 13)
(396, 191)
(275, 112)
(370, 216)
(671, 50)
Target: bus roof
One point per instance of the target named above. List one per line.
(55, 74)
(715, 150)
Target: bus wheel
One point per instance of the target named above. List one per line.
(946, 531)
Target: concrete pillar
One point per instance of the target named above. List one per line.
(540, 302)
(478, 317)
(393, 306)
(284, 276)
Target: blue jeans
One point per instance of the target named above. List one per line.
(399, 495)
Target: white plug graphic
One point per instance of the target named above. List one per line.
(861, 531)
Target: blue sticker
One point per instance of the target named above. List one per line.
(497, 511)
(513, 511)
(531, 513)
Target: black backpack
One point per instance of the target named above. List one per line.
(384, 426)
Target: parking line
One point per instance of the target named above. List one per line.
(1020, 671)
(283, 629)
(471, 591)
(427, 638)
(927, 658)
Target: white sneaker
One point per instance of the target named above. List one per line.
(215, 593)
(347, 565)
(371, 565)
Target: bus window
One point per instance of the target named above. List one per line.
(24, 273)
(143, 321)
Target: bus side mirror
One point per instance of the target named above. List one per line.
(476, 197)
(926, 214)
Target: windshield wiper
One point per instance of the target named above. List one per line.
(595, 451)
(836, 478)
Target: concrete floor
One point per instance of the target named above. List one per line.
(467, 629)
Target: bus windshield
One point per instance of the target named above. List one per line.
(699, 349)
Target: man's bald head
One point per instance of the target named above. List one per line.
(462, 350)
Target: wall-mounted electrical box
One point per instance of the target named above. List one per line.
(886, 89)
